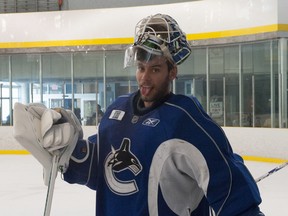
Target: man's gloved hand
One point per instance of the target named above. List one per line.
(58, 126)
(46, 132)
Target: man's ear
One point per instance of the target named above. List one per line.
(173, 73)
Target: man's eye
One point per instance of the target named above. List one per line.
(155, 70)
(140, 68)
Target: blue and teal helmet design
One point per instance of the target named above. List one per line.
(158, 35)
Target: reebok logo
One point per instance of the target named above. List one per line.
(151, 122)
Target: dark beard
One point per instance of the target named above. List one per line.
(138, 104)
(162, 91)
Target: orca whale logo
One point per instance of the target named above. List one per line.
(118, 161)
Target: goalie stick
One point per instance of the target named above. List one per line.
(271, 172)
(51, 185)
(58, 161)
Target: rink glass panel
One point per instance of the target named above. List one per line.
(237, 84)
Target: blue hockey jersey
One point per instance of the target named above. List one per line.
(169, 160)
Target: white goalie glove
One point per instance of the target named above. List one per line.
(46, 132)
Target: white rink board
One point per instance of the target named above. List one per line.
(194, 17)
(260, 142)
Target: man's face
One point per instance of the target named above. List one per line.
(154, 79)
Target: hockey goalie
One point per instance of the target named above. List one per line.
(156, 153)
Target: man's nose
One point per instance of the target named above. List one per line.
(145, 74)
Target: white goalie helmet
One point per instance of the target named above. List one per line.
(158, 35)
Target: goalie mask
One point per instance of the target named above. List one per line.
(157, 35)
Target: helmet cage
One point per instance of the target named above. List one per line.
(161, 35)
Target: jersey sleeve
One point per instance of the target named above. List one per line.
(83, 164)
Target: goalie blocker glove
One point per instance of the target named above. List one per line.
(45, 132)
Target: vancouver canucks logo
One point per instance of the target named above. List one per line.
(118, 161)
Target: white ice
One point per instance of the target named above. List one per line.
(22, 191)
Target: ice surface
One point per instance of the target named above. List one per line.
(22, 191)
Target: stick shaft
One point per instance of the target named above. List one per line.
(51, 185)
(271, 172)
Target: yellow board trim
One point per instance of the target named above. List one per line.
(115, 41)
(14, 152)
(247, 158)
(264, 159)
(239, 32)
(63, 43)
